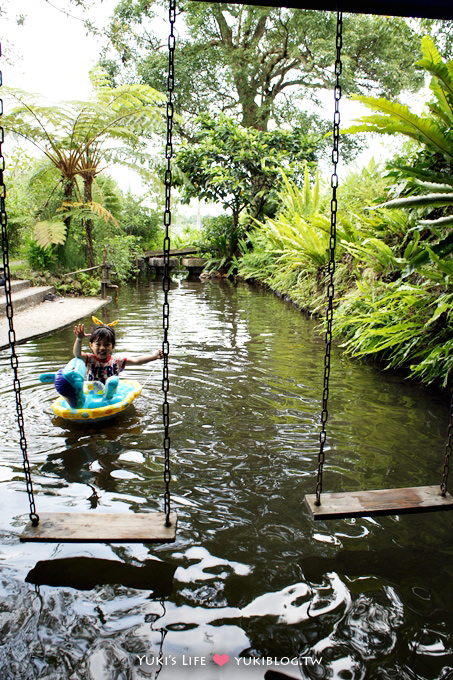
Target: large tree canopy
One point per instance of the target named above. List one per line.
(257, 63)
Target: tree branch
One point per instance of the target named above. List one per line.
(225, 31)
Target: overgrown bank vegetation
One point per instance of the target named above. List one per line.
(393, 278)
(386, 306)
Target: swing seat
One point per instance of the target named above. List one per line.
(340, 505)
(89, 527)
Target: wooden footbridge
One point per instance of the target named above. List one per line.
(179, 257)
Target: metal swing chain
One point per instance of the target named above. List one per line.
(448, 450)
(11, 333)
(166, 276)
(331, 266)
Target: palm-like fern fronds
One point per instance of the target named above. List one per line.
(431, 200)
(49, 232)
(77, 207)
(81, 138)
(398, 119)
(434, 131)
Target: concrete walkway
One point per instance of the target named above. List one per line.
(47, 317)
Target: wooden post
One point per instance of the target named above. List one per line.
(105, 276)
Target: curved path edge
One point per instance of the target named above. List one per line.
(47, 317)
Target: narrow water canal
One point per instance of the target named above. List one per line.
(252, 582)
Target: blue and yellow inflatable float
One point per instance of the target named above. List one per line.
(82, 401)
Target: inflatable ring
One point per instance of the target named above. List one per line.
(99, 409)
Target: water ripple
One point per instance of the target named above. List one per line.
(253, 575)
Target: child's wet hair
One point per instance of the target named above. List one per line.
(101, 332)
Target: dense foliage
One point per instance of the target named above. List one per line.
(394, 269)
(394, 272)
(34, 195)
(79, 139)
(388, 306)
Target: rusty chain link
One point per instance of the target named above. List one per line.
(331, 266)
(448, 448)
(331, 288)
(166, 281)
(6, 281)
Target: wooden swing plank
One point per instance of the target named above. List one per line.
(88, 527)
(415, 499)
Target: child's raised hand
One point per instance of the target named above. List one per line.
(79, 330)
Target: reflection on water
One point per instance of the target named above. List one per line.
(251, 575)
(84, 573)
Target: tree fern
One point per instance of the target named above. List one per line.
(76, 208)
(81, 138)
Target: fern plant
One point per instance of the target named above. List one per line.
(80, 139)
(49, 232)
(78, 208)
(434, 130)
(300, 233)
(406, 325)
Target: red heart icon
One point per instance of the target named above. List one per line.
(220, 659)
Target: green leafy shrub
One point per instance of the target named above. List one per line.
(38, 258)
(393, 289)
(298, 237)
(219, 239)
(255, 260)
(141, 221)
(83, 283)
(122, 252)
(406, 325)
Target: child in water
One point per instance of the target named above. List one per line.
(102, 363)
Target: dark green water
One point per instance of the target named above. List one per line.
(251, 575)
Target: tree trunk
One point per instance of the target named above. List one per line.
(253, 115)
(88, 197)
(68, 188)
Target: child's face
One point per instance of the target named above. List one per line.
(102, 347)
